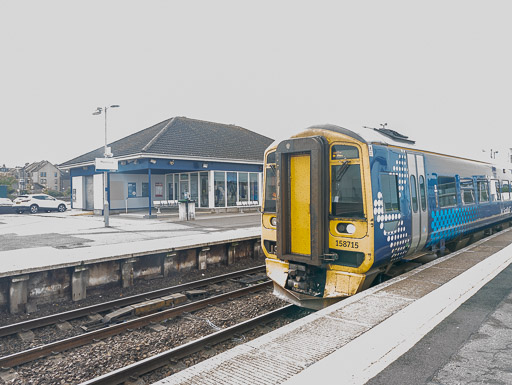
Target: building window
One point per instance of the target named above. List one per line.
(132, 190)
(253, 187)
(194, 191)
(176, 184)
(205, 199)
(145, 189)
(170, 191)
(184, 188)
(243, 187)
(55, 175)
(42, 174)
(231, 188)
(219, 185)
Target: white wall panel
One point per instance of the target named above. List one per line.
(78, 186)
(98, 191)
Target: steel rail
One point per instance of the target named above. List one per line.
(86, 338)
(82, 312)
(152, 363)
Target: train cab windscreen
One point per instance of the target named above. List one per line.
(270, 184)
(346, 191)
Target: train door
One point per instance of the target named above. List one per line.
(418, 194)
(302, 205)
(299, 198)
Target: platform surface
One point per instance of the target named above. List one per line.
(35, 242)
(447, 322)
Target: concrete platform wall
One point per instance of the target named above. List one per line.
(22, 293)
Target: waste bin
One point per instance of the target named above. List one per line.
(187, 209)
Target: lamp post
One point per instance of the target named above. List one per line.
(98, 111)
(492, 153)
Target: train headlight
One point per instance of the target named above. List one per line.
(273, 221)
(351, 229)
(346, 228)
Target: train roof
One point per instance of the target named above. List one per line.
(387, 137)
(371, 135)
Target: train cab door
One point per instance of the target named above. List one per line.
(418, 200)
(302, 205)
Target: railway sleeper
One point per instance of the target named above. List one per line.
(145, 307)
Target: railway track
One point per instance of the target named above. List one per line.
(171, 356)
(104, 330)
(106, 306)
(87, 338)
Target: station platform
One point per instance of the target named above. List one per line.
(39, 242)
(446, 322)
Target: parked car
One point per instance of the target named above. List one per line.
(19, 198)
(5, 202)
(6, 206)
(38, 202)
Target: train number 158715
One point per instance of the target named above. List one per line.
(349, 244)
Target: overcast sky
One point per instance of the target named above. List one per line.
(437, 71)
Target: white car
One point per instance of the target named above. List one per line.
(38, 202)
(5, 202)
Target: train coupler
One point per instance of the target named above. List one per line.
(305, 279)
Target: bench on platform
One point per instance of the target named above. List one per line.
(162, 204)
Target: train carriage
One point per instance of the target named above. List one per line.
(341, 209)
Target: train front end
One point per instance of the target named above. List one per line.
(317, 222)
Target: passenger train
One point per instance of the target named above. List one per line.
(341, 208)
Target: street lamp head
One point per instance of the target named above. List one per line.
(98, 111)
(115, 106)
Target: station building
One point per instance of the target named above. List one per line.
(216, 165)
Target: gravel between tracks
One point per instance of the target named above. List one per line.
(81, 364)
(140, 286)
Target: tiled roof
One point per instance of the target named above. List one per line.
(36, 166)
(186, 137)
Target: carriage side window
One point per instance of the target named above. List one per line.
(390, 192)
(347, 191)
(483, 190)
(423, 193)
(467, 190)
(414, 194)
(495, 190)
(505, 190)
(447, 191)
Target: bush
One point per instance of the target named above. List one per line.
(59, 194)
(9, 181)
